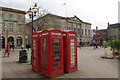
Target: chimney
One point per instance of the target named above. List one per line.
(96, 28)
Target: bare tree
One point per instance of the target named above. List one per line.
(37, 25)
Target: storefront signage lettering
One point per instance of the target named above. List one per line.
(10, 21)
(71, 34)
(45, 34)
(56, 33)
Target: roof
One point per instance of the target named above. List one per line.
(116, 25)
(68, 18)
(49, 14)
(102, 30)
(12, 10)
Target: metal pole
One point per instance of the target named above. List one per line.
(31, 37)
(7, 35)
(32, 22)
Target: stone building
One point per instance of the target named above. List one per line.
(12, 23)
(83, 29)
(113, 31)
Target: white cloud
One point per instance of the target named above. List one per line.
(97, 12)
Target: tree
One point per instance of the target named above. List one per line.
(38, 25)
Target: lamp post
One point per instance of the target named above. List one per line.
(5, 29)
(32, 12)
(80, 41)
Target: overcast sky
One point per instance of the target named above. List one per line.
(96, 12)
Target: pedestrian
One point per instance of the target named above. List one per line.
(80, 44)
(22, 46)
(13, 46)
(96, 46)
(7, 50)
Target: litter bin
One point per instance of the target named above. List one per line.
(23, 56)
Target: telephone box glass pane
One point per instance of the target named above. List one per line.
(56, 54)
(72, 47)
(56, 40)
(44, 44)
(72, 53)
(56, 44)
(34, 53)
(56, 48)
(44, 49)
(72, 44)
(72, 40)
(44, 40)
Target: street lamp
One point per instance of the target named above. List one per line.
(32, 12)
(5, 29)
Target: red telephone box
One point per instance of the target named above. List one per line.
(52, 52)
(70, 51)
(36, 51)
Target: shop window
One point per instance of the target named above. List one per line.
(19, 41)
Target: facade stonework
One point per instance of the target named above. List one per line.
(12, 25)
(63, 23)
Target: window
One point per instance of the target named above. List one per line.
(19, 28)
(59, 27)
(74, 29)
(119, 29)
(1, 15)
(10, 27)
(82, 32)
(0, 27)
(88, 32)
(64, 28)
(19, 41)
(78, 31)
(19, 17)
(114, 29)
(85, 31)
(69, 28)
(11, 16)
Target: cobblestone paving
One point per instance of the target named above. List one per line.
(90, 66)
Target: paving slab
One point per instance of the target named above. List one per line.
(91, 65)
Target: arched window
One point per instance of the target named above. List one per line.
(3, 42)
(11, 40)
(19, 41)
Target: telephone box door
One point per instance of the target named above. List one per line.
(35, 55)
